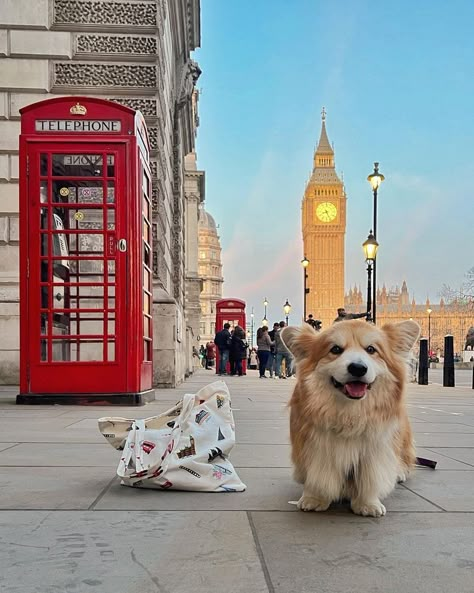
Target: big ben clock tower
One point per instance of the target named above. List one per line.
(324, 228)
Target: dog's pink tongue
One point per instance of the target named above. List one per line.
(356, 388)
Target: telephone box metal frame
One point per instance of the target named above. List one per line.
(230, 311)
(86, 296)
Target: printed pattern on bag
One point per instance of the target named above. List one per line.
(191, 471)
(203, 415)
(187, 451)
(215, 453)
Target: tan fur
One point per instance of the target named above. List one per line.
(346, 448)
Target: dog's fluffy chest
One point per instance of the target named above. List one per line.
(348, 447)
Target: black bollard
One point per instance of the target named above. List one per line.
(448, 367)
(473, 376)
(423, 364)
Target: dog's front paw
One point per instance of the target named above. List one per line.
(402, 477)
(403, 474)
(312, 503)
(372, 508)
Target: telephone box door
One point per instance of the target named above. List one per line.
(77, 267)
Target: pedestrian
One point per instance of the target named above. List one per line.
(223, 341)
(210, 354)
(342, 315)
(271, 356)
(202, 355)
(314, 323)
(282, 354)
(238, 350)
(264, 344)
(253, 359)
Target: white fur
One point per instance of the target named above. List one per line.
(369, 456)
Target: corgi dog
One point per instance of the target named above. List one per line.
(350, 433)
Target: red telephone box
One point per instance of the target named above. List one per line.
(230, 311)
(85, 254)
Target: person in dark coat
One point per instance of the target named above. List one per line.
(223, 340)
(342, 315)
(238, 350)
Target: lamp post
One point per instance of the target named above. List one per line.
(265, 305)
(370, 247)
(429, 311)
(305, 264)
(287, 309)
(375, 179)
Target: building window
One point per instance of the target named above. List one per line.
(213, 328)
(202, 254)
(202, 328)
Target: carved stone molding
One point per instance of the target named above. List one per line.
(148, 107)
(96, 14)
(153, 137)
(94, 75)
(133, 46)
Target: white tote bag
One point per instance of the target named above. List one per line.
(185, 448)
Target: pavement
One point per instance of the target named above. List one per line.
(67, 525)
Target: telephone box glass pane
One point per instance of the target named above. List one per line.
(82, 165)
(44, 160)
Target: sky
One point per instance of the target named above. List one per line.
(397, 82)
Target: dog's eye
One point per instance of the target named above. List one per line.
(370, 350)
(336, 350)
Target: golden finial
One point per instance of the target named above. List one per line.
(323, 114)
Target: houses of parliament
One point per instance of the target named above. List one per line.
(324, 227)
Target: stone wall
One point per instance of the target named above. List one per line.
(126, 51)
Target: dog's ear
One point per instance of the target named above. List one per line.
(402, 335)
(299, 340)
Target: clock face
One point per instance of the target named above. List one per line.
(326, 211)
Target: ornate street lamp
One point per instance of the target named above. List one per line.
(370, 247)
(305, 264)
(265, 305)
(429, 311)
(287, 309)
(375, 179)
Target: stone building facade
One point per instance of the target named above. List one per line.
(395, 305)
(210, 270)
(135, 52)
(195, 194)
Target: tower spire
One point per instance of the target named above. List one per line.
(324, 146)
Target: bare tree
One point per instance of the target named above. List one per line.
(464, 295)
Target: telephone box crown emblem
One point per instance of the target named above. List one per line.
(78, 109)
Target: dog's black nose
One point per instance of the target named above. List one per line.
(357, 369)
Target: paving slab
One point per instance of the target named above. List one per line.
(464, 455)
(63, 455)
(451, 427)
(442, 439)
(129, 552)
(52, 488)
(452, 490)
(444, 461)
(317, 552)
